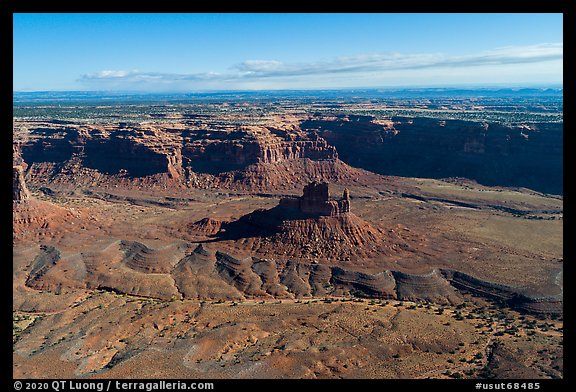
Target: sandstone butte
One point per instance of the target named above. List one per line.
(316, 201)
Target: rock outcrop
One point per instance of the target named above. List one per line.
(208, 226)
(43, 262)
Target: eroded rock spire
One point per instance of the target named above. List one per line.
(20, 192)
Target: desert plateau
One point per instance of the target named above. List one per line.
(288, 236)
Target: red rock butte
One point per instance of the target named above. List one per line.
(316, 201)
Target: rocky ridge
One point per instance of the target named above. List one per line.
(206, 274)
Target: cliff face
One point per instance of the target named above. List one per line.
(247, 158)
(493, 154)
(215, 157)
(265, 158)
(121, 155)
(312, 149)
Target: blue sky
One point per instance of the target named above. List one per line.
(191, 52)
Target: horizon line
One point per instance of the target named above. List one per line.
(385, 88)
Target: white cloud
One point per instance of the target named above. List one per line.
(357, 66)
(259, 65)
(110, 74)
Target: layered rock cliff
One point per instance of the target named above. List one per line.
(522, 155)
(250, 158)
